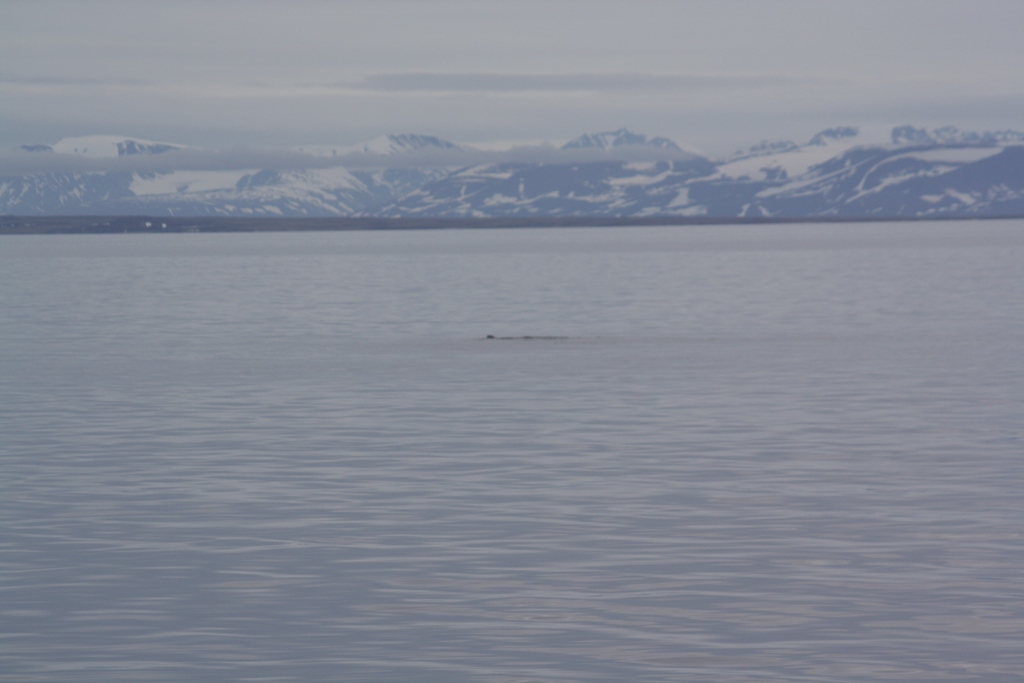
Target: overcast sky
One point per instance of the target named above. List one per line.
(712, 75)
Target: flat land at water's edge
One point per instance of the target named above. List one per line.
(65, 225)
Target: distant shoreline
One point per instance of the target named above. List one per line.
(100, 225)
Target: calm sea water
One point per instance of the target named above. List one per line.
(729, 454)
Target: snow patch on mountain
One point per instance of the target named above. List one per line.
(785, 160)
(185, 181)
(780, 166)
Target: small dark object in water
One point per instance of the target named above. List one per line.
(491, 336)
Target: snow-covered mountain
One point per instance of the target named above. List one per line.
(330, 190)
(619, 138)
(934, 180)
(918, 173)
(840, 172)
(390, 145)
(103, 146)
(835, 174)
(610, 188)
(385, 146)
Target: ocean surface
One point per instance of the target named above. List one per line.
(725, 454)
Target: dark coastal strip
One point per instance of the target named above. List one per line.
(525, 337)
(69, 225)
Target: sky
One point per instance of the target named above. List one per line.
(713, 76)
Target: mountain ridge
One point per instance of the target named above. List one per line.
(916, 172)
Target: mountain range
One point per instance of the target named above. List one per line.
(837, 173)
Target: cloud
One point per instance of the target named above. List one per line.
(18, 162)
(564, 82)
(21, 161)
(57, 81)
(413, 83)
